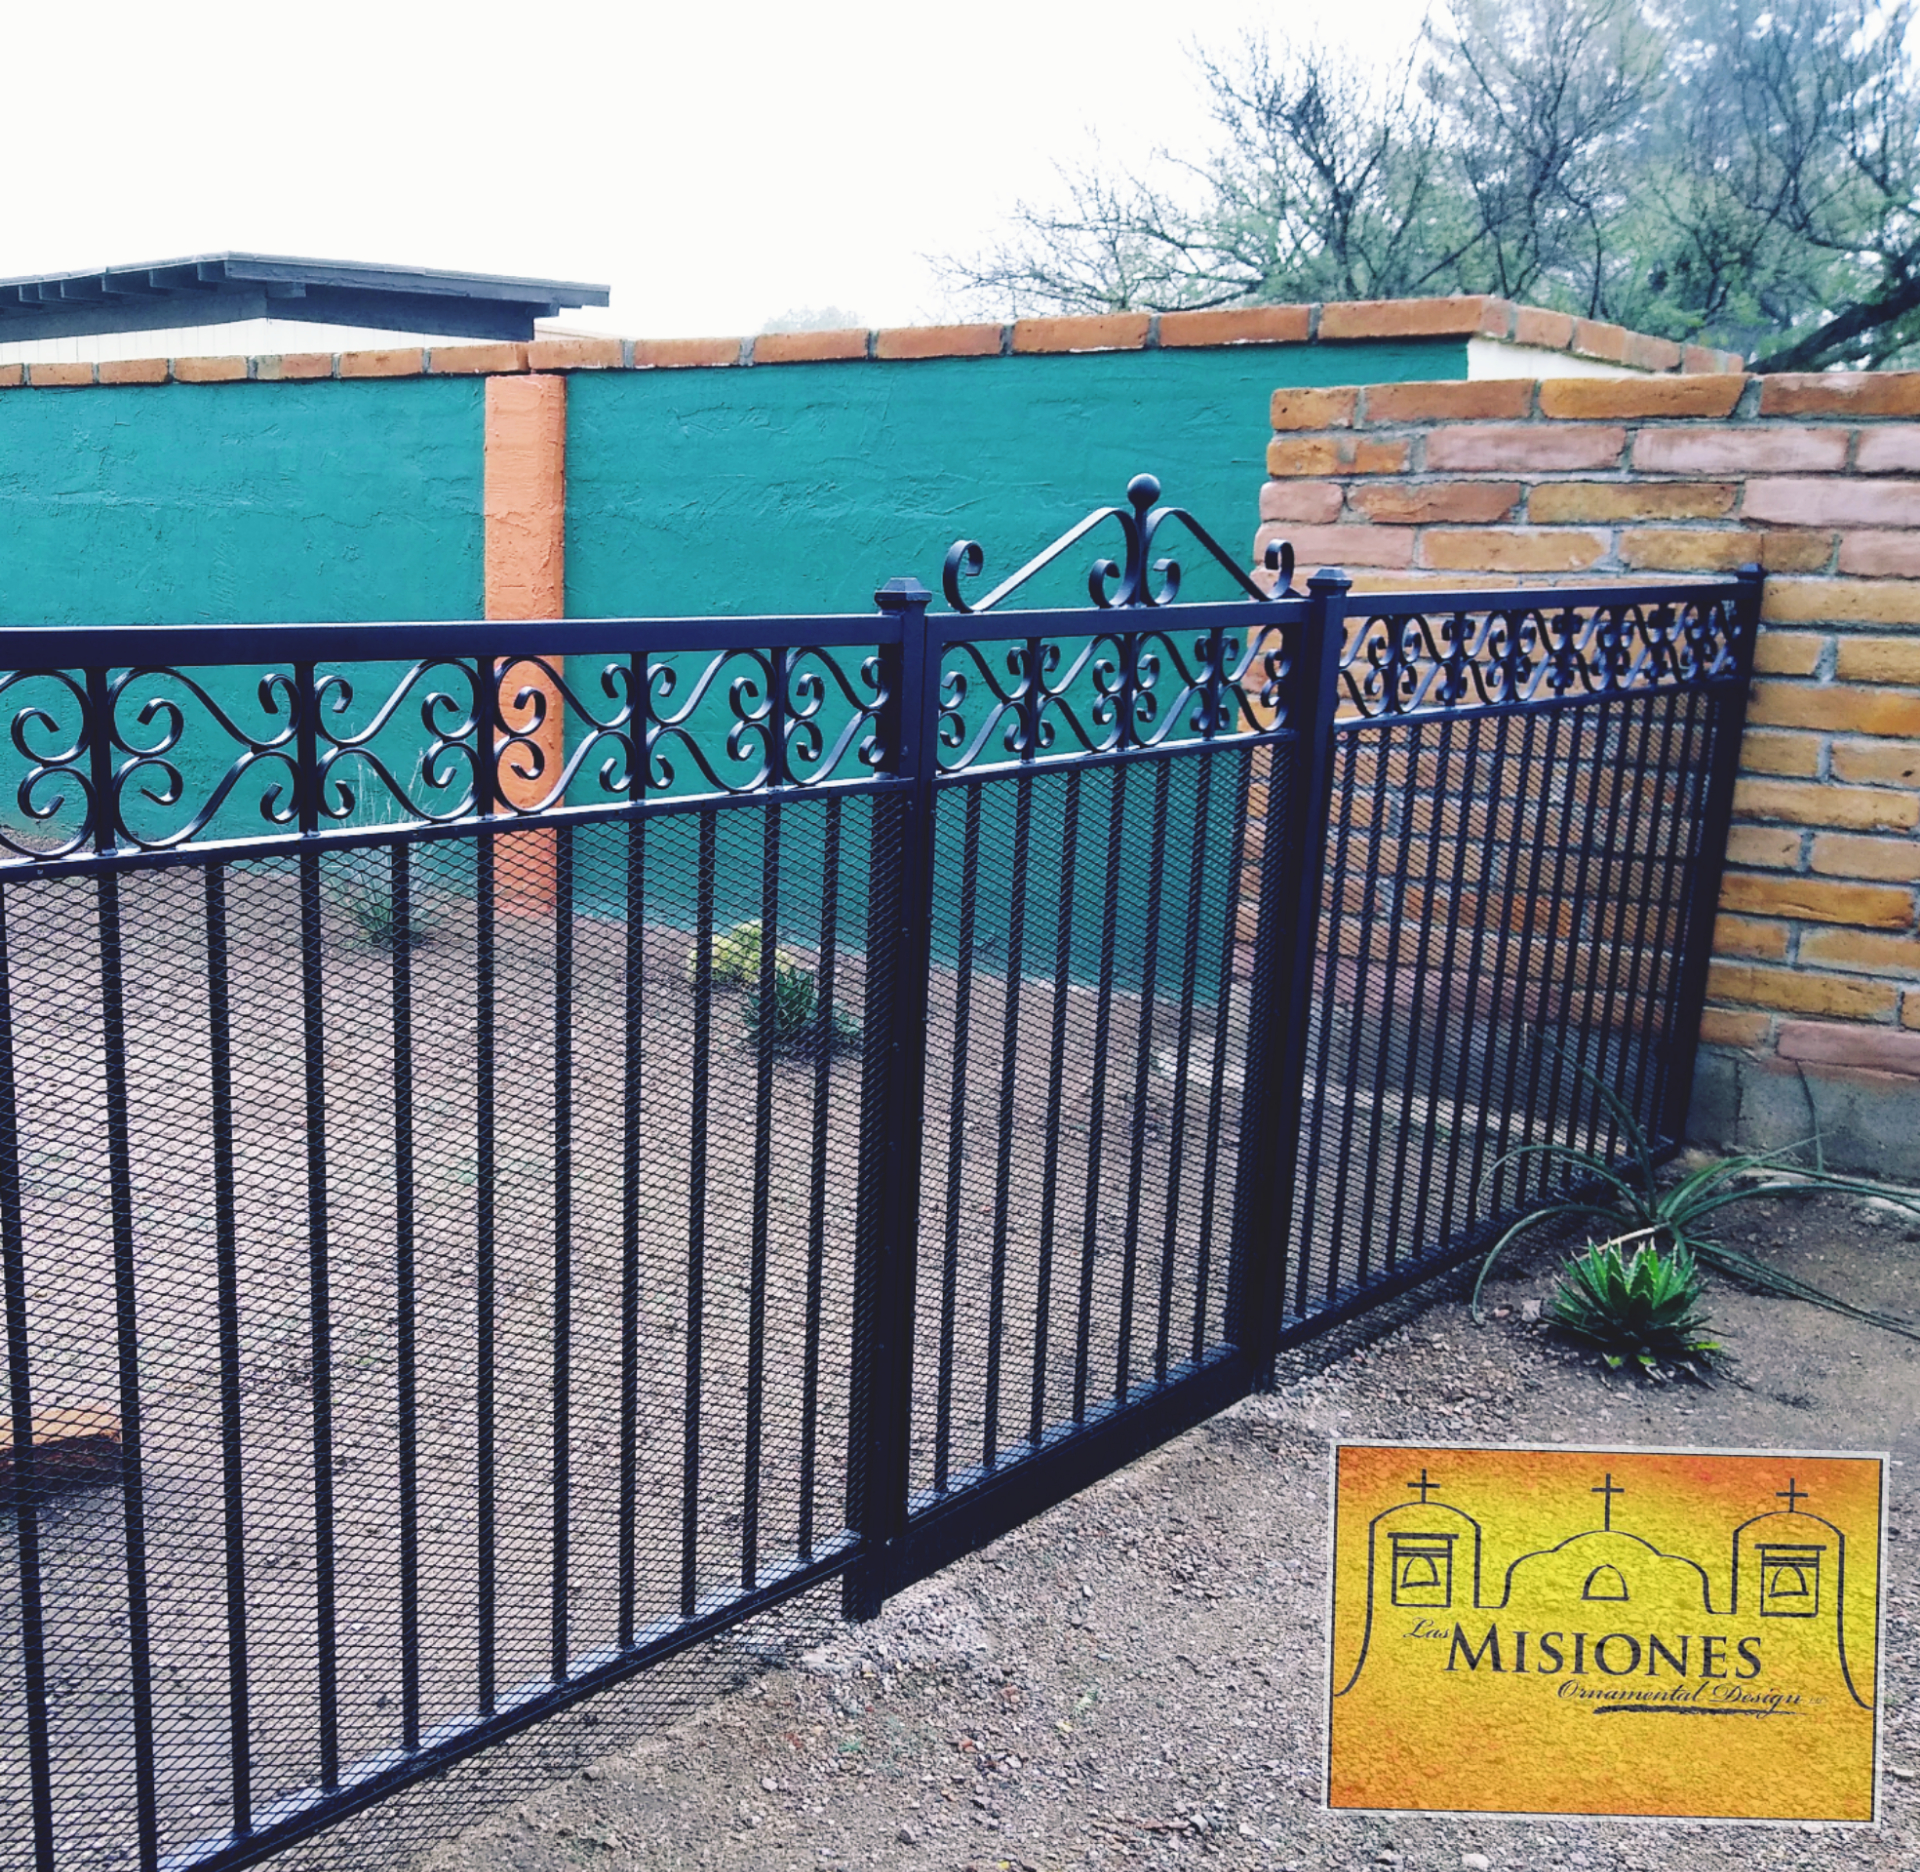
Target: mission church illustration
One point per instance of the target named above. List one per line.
(1606, 1602)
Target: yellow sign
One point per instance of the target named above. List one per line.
(1684, 1633)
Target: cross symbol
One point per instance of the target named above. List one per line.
(1424, 1486)
(1793, 1495)
(1608, 1490)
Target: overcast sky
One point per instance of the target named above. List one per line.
(715, 164)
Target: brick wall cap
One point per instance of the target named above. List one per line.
(1267, 324)
(387, 361)
(1355, 321)
(813, 347)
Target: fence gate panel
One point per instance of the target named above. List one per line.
(1112, 897)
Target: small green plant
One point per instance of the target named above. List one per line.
(793, 1001)
(382, 927)
(361, 883)
(736, 958)
(1642, 1308)
(1633, 1206)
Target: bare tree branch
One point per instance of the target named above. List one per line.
(1742, 172)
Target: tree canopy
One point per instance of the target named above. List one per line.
(1741, 173)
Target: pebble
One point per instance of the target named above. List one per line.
(1475, 1862)
(907, 1836)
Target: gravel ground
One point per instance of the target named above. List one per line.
(1137, 1677)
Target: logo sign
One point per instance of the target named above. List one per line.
(1684, 1633)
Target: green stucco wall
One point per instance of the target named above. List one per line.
(800, 487)
(228, 503)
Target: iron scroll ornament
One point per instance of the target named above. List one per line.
(966, 559)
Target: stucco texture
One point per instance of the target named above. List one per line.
(801, 487)
(334, 502)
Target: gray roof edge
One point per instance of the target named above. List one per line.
(366, 276)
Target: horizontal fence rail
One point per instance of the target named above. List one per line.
(523, 1145)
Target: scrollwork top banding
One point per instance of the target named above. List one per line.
(1116, 691)
(158, 756)
(1404, 662)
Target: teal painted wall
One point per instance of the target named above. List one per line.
(192, 503)
(800, 487)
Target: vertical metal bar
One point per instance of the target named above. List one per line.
(765, 1038)
(406, 1344)
(1289, 929)
(113, 1026)
(1654, 899)
(1480, 797)
(1443, 1015)
(320, 1313)
(892, 1099)
(1374, 1182)
(1056, 1087)
(319, 1276)
(1142, 1071)
(957, 1134)
(127, 1337)
(227, 1306)
(1343, 1168)
(1009, 1056)
(1542, 799)
(1682, 795)
(826, 1036)
(1399, 1180)
(1620, 711)
(1182, 1057)
(697, 1215)
(1348, 742)
(487, 673)
(1541, 1125)
(630, 1094)
(1730, 710)
(1097, 1105)
(1595, 722)
(1508, 785)
(1610, 915)
(26, 1491)
(1222, 1027)
(562, 1236)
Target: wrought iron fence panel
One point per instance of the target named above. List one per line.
(522, 1145)
(432, 1149)
(1529, 803)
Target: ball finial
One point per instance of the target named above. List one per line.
(1143, 490)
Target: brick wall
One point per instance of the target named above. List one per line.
(1814, 1001)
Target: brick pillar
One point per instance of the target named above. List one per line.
(526, 515)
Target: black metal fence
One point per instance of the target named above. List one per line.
(484, 1208)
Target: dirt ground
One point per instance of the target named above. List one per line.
(1136, 1678)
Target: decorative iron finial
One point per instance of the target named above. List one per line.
(1134, 588)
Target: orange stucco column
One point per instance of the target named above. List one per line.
(526, 517)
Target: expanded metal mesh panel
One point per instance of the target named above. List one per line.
(484, 1262)
(1502, 933)
(1089, 1010)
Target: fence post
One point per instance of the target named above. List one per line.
(1293, 862)
(892, 1113)
(1703, 900)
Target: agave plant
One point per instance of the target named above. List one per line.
(1643, 1307)
(789, 1010)
(1632, 1206)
